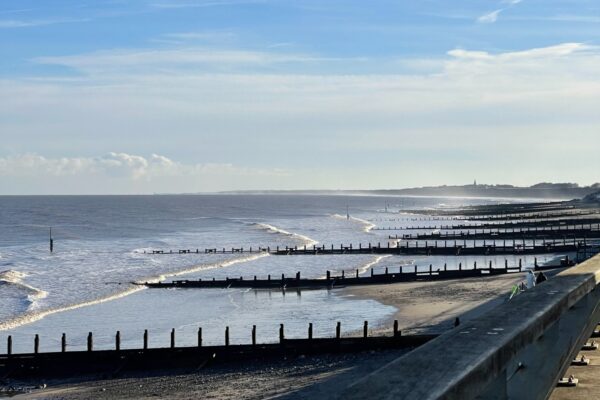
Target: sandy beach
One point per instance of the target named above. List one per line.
(431, 307)
(422, 307)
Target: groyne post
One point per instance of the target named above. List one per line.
(281, 333)
(338, 330)
(366, 329)
(173, 338)
(118, 341)
(310, 331)
(36, 344)
(200, 337)
(253, 335)
(396, 328)
(145, 339)
(226, 336)
(63, 343)
(90, 342)
(9, 345)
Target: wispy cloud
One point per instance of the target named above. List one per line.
(6, 24)
(202, 58)
(203, 3)
(491, 17)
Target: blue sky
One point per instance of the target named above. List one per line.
(151, 96)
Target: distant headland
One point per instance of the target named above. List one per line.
(540, 190)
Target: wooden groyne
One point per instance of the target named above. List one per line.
(437, 247)
(557, 224)
(528, 216)
(111, 363)
(508, 234)
(402, 274)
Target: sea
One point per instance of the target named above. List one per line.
(103, 248)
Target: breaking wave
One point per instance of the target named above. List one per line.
(367, 226)
(29, 317)
(273, 229)
(15, 279)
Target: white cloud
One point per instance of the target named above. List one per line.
(491, 17)
(475, 110)
(119, 165)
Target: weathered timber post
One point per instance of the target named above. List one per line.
(9, 345)
(328, 275)
(310, 331)
(173, 338)
(63, 343)
(200, 337)
(36, 344)
(90, 342)
(118, 341)
(281, 333)
(226, 336)
(396, 331)
(338, 330)
(145, 340)
(366, 329)
(253, 335)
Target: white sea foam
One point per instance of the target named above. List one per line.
(273, 229)
(367, 226)
(32, 316)
(15, 278)
(371, 264)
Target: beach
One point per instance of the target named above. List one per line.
(422, 307)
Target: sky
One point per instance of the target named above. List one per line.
(159, 96)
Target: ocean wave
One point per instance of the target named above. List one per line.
(273, 229)
(365, 267)
(32, 316)
(367, 226)
(15, 279)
